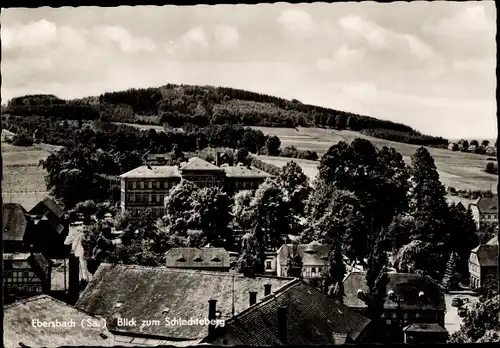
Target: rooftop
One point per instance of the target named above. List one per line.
(197, 257)
(425, 327)
(18, 325)
(312, 254)
(312, 317)
(405, 285)
(156, 292)
(15, 222)
(196, 163)
(487, 254)
(47, 204)
(488, 205)
(150, 172)
(241, 171)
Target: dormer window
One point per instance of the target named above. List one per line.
(198, 258)
(215, 259)
(181, 259)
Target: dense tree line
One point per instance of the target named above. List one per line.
(491, 168)
(178, 105)
(414, 138)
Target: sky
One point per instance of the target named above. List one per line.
(430, 65)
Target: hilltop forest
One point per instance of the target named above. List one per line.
(178, 106)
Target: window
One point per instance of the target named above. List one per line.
(388, 321)
(134, 184)
(142, 184)
(158, 184)
(268, 264)
(313, 270)
(394, 315)
(406, 316)
(150, 184)
(154, 196)
(417, 315)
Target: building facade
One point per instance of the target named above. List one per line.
(314, 258)
(147, 186)
(483, 265)
(485, 211)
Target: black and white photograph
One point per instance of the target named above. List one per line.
(260, 175)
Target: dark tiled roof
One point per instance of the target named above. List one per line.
(18, 325)
(197, 257)
(158, 292)
(488, 205)
(312, 317)
(425, 327)
(318, 258)
(196, 163)
(53, 221)
(15, 221)
(405, 285)
(47, 204)
(487, 254)
(145, 172)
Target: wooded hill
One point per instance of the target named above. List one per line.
(178, 105)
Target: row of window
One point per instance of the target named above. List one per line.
(410, 316)
(489, 216)
(18, 274)
(145, 198)
(156, 211)
(474, 267)
(32, 289)
(132, 185)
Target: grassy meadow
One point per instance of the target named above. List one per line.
(23, 180)
(456, 169)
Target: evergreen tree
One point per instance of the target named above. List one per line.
(450, 280)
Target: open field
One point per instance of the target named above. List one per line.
(456, 169)
(23, 180)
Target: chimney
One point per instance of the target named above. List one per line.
(212, 306)
(267, 289)
(217, 159)
(282, 324)
(73, 279)
(253, 297)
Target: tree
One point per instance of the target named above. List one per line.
(252, 255)
(421, 257)
(455, 147)
(295, 185)
(480, 324)
(485, 143)
(474, 143)
(272, 146)
(180, 206)
(243, 156)
(333, 274)
(241, 209)
(462, 235)
(269, 213)
(491, 168)
(22, 139)
(294, 263)
(451, 279)
(427, 198)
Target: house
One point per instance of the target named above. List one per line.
(17, 228)
(295, 314)
(270, 263)
(483, 264)
(472, 148)
(485, 210)
(23, 325)
(7, 135)
(421, 333)
(207, 258)
(452, 146)
(314, 259)
(45, 205)
(25, 275)
(118, 292)
(411, 298)
(145, 187)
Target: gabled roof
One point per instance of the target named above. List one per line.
(35, 261)
(312, 317)
(197, 257)
(156, 292)
(16, 261)
(18, 325)
(53, 221)
(493, 241)
(47, 204)
(405, 285)
(487, 254)
(149, 172)
(318, 257)
(487, 205)
(241, 171)
(425, 327)
(196, 163)
(15, 222)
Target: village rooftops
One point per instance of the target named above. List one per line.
(487, 254)
(47, 204)
(19, 330)
(36, 261)
(197, 258)
(152, 172)
(312, 317)
(407, 286)
(15, 222)
(153, 293)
